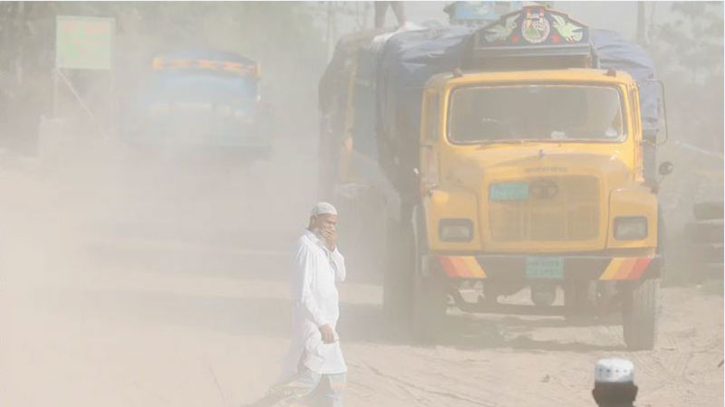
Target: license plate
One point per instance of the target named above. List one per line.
(509, 191)
(545, 267)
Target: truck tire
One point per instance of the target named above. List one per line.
(429, 308)
(640, 308)
(640, 314)
(430, 297)
(661, 240)
(397, 278)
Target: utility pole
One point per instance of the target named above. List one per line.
(330, 35)
(641, 23)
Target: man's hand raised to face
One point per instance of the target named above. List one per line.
(328, 335)
(330, 237)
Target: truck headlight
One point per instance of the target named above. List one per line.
(630, 228)
(455, 230)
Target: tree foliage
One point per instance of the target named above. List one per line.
(282, 36)
(688, 53)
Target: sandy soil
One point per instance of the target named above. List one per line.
(155, 285)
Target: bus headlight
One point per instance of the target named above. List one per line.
(455, 230)
(630, 228)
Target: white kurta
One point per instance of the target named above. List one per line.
(315, 303)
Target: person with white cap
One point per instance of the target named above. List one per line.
(614, 383)
(314, 369)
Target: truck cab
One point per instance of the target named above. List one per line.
(531, 176)
(541, 161)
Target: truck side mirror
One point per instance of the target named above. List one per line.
(650, 135)
(666, 168)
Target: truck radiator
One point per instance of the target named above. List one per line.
(554, 209)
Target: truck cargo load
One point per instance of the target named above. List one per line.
(409, 59)
(405, 63)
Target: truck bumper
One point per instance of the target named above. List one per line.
(569, 267)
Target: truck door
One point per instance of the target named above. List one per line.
(636, 133)
(429, 171)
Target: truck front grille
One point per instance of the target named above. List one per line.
(554, 209)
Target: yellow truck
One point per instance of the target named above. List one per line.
(520, 165)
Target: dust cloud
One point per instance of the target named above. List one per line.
(133, 276)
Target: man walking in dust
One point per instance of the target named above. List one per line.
(315, 369)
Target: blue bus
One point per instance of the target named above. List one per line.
(201, 100)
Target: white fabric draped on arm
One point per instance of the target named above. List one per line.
(338, 261)
(301, 285)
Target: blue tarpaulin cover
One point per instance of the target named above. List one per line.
(390, 83)
(409, 59)
(363, 127)
(614, 52)
(405, 63)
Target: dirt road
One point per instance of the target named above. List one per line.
(150, 287)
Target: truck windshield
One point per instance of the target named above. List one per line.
(535, 113)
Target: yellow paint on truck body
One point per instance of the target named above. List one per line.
(600, 180)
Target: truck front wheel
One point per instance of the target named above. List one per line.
(429, 309)
(397, 276)
(640, 313)
(430, 297)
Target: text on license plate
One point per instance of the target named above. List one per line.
(545, 267)
(509, 191)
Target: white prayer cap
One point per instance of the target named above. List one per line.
(614, 370)
(323, 208)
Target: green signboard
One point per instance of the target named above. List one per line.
(83, 42)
